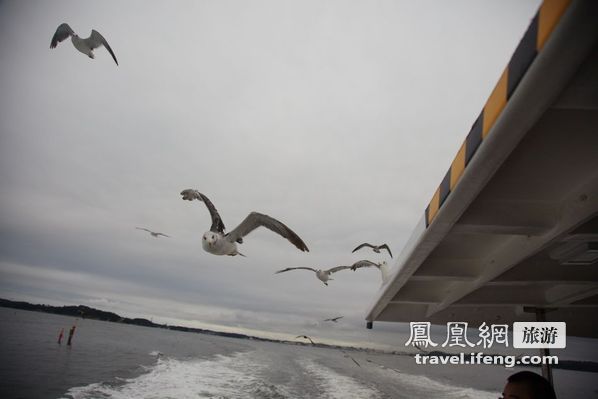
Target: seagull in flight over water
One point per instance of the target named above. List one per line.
(382, 266)
(351, 357)
(153, 233)
(376, 248)
(323, 275)
(217, 242)
(334, 319)
(86, 46)
(305, 337)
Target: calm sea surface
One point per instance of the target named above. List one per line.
(110, 360)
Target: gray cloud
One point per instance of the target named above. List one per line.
(339, 118)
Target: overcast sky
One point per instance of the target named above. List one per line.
(339, 118)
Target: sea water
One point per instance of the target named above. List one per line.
(112, 360)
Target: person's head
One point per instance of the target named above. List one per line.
(528, 385)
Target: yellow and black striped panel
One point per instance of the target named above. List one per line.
(538, 32)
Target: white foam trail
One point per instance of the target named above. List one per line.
(423, 386)
(245, 375)
(334, 385)
(229, 377)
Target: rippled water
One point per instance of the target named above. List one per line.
(110, 360)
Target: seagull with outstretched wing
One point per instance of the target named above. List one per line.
(218, 242)
(305, 337)
(334, 319)
(154, 234)
(323, 275)
(351, 357)
(86, 46)
(376, 248)
(382, 266)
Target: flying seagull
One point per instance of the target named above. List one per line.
(334, 319)
(351, 357)
(305, 337)
(382, 266)
(323, 275)
(86, 46)
(376, 248)
(153, 233)
(217, 242)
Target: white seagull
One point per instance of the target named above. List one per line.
(153, 233)
(217, 242)
(376, 248)
(382, 266)
(86, 46)
(323, 275)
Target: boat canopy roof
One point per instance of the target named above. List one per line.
(513, 226)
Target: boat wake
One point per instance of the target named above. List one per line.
(233, 376)
(254, 375)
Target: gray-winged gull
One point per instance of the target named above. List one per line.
(306, 337)
(153, 233)
(351, 357)
(323, 275)
(376, 248)
(86, 46)
(382, 266)
(217, 242)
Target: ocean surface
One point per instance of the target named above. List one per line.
(111, 360)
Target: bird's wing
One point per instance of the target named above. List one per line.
(96, 40)
(385, 246)
(217, 224)
(363, 263)
(365, 244)
(339, 317)
(306, 337)
(144, 229)
(162, 234)
(351, 357)
(255, 220)
(337, 269)
(355, 361)
(62, 32)
(295, 268)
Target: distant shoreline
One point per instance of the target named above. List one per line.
(86, 312)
